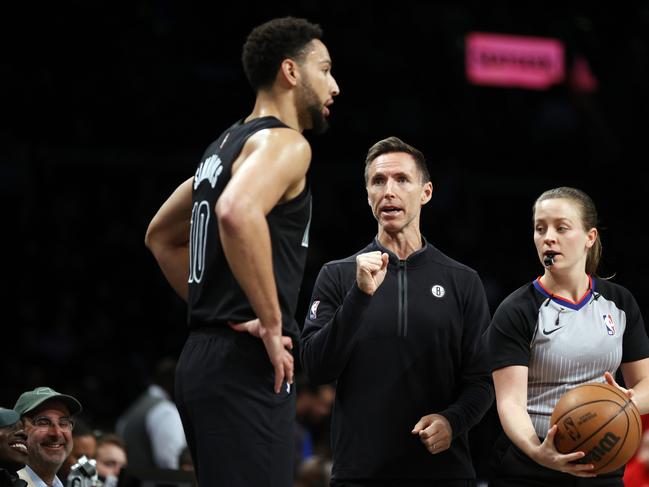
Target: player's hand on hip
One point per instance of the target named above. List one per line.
(370, 271)
(253, 327)
(435, 433)
(280, 357)
(547, 455)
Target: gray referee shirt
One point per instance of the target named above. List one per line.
(563, 343)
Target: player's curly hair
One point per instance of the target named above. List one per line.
(270, 43)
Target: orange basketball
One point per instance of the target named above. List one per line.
(599, 420)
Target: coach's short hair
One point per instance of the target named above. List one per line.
(394, 144)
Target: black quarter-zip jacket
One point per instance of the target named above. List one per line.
(412, 349)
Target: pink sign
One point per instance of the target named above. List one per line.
(514, 61)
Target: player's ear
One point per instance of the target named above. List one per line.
(288, 72)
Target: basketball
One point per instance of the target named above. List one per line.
(599, 420)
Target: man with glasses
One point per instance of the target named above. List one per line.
(47, 415)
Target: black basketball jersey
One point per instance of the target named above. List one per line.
(215, 296)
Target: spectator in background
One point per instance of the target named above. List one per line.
(111, 457)
(13, 448)
(185, 461)
(84, 443)
(313, 411)
(315, 471)
(47, 416)
(636, 473)
(151, 426)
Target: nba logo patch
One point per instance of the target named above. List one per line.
(609, 324)
(314, 309)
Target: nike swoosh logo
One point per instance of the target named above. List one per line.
(549, 332)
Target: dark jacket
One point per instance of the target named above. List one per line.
(9, 478)
(412, 349)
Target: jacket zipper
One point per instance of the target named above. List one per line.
(403, 300)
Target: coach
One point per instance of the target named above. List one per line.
(398, 326)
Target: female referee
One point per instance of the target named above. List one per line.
(566, 328)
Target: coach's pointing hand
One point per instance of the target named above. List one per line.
(435, 433)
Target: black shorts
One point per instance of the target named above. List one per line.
(511, 467)
(239, 432)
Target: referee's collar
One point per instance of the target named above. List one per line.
(568, 303)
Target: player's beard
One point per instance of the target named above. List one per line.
(310, 110)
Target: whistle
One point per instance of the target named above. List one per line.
(548, 260)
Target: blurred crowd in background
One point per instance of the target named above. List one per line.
(108, 107)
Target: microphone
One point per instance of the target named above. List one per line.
(548, 260)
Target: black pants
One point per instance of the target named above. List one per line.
(404, 483)
(240, 433)
(512, 468)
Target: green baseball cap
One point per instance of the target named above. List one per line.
(8, 417)
(30, 400)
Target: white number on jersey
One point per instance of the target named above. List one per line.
(197, 240)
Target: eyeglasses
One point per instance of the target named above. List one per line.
(43, 422)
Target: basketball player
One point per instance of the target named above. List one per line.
(232, 240)
(565, 328)
(398, 327)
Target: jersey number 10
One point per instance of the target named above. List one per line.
(198, 240)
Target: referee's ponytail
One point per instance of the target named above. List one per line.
(593, 258)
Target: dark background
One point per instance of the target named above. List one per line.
(108, 106)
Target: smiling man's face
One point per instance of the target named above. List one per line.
(13, 446)
(49, 436)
